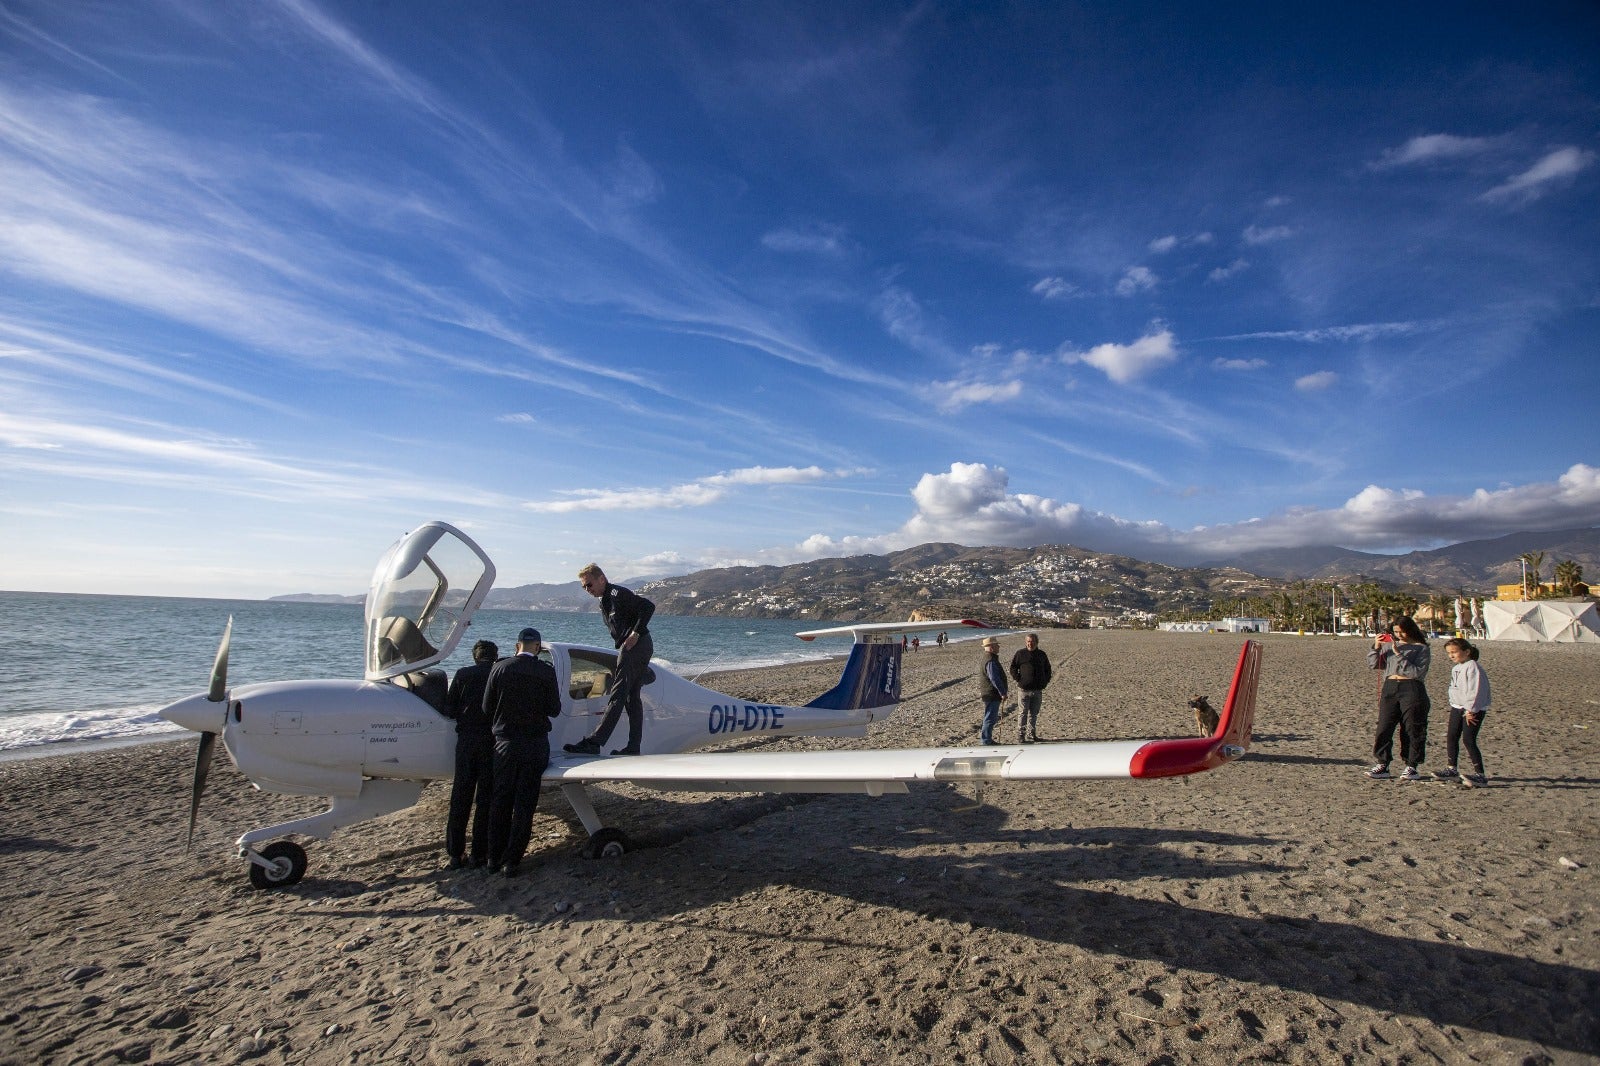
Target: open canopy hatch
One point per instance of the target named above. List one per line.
(424, 592)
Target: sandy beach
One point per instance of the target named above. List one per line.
(1282, 909)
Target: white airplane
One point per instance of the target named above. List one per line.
(371, 745)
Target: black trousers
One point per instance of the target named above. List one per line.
(624, 693)
(471, 794)
(1404, 704)
(519, 766)
(1464, 732)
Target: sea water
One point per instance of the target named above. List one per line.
(98, 668)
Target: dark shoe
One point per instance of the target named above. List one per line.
(510, 869)
(1379, 772)
(479, 862)
(586, 746)
(456, 862)
(625, 751)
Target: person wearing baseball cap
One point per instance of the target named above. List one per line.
(520, 697)
(992, 680)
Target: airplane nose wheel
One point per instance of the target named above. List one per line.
(285, 865)
(607, 843)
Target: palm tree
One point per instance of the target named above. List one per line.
(1443, 612)
(1533, 561)
(1568, 574)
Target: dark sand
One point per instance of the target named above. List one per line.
(1282, 909)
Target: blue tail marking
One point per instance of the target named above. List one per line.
(871, 679)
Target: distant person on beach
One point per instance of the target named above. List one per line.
(472, 791)
(992, 680)
(520, 698)
(1469, 701)
(943, 639)
(1403, 701)
(1030, 669)
(627, 617)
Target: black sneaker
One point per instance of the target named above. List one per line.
(1474, 780)
(1379, 773)
(456, 862)
(624, 751)
(1447, 774)
(1410, 774)
(586, 746)
(511, 869)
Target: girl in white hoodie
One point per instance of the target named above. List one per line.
(1469, 700)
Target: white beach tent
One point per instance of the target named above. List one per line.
(1554, 621)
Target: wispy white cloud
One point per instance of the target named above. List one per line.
(1432, 148)
(1054, 288)
(1238, 364)
(1123, 363)
(1316, 382)
(1557, 168)
(1267, 234)
(697, 493)
(1365, 331)
(1223, 273)
(819, 239)
(952, 396)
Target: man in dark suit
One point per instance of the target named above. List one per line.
(519, 698)
(627, 617)
(472, 791)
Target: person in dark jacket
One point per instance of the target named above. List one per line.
(992, 680)
(627, 617)
(1030, 669)
(519, 700)
(473, 788)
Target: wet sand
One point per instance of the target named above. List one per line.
(1281, 909)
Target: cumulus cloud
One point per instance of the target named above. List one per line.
(972, 504)
(697, 493)
(1322, 379)
(1136, 279)
(1557, 168)
(1123, 363)
(1431, 148)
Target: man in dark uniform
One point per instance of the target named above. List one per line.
(1030, 669)
(520, 698)
(473, 789)
(627, 616)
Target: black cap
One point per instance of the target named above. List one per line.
(529, 636)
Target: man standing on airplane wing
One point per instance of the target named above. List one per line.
(627, 616)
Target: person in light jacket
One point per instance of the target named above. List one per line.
(1469, 701)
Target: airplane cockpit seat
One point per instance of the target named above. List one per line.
(432, 685)
(402, 641)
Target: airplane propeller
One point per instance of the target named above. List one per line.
(217, 693)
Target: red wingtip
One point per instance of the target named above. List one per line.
(1172, 758)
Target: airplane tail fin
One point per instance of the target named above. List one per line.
(871, 678)
(1170, 758)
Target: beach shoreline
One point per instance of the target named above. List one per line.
(1283, 909)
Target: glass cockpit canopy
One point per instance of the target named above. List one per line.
(424, 592)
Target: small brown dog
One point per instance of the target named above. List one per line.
(1205, 719)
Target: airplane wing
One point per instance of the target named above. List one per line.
(889, 629)
(881, 771)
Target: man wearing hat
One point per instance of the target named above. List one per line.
(520, 698)
(992, 680)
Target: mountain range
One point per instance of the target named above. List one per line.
(1052, 582)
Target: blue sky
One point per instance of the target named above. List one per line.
(669, 286)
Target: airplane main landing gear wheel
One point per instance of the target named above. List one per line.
(288, 861)
(607, 843)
